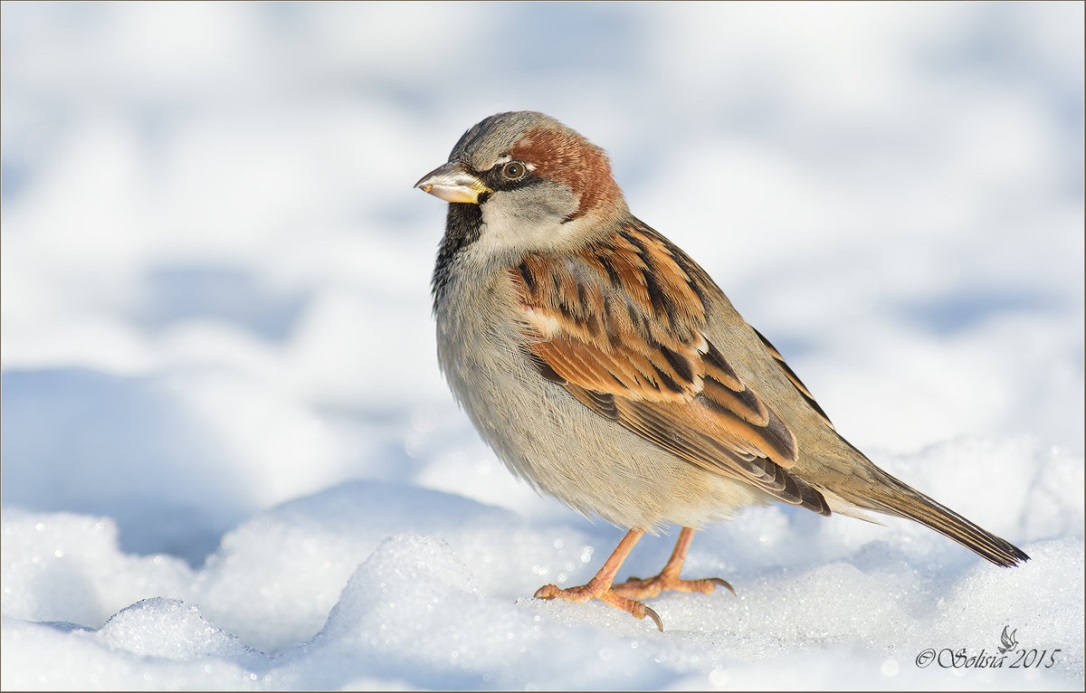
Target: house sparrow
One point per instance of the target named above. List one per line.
(605, 367)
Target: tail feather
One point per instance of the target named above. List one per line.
(897, 498)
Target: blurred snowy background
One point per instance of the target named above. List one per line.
(229, 459)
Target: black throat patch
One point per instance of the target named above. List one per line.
(463, 225)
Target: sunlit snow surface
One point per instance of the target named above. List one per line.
(229, 459)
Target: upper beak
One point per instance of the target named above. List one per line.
(453, 182)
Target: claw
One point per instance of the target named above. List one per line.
(655, 617)
(547, 592)
(724, 584)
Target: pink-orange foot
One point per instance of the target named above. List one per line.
(636, 588)
(668, 579)
(604, 593)
(624, 595)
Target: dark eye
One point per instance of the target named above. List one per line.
(514, 170)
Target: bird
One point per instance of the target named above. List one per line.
(606, 368)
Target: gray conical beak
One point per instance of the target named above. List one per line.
(453, 182)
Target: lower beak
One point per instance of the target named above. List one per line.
(453, 182)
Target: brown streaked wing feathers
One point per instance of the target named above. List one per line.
(793, 378)
(619, 325)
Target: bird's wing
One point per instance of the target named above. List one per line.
(619, 325)
(793, 378)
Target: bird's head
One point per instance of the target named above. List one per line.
(537, 184)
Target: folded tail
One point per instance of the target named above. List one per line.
(894, 497)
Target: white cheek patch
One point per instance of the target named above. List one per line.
(505, 233)
(521, 222)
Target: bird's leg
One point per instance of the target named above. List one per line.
(599, 587)
(668, 579)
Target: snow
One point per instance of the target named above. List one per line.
(230, 461)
